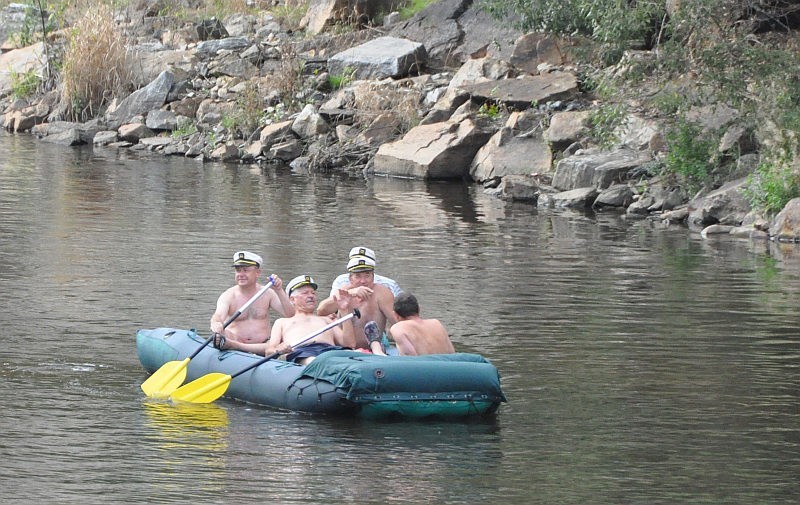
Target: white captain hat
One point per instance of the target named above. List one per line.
(362, 251)
(360, 263)
(300, 281)
(247, 258)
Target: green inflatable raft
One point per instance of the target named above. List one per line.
(347, 383)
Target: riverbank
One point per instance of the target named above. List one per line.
(448, 93)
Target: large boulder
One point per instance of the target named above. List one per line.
(786, 225)
(454, 31)
(379, 58)
(516, 149)
(322, 14)
(18, 62)
(726, 205)
(434, 151)
(599, 169)
(141, 101)
(526, 91)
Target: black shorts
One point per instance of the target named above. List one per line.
(311, 350)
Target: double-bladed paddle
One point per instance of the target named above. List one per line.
(166, 379)
(211, 386)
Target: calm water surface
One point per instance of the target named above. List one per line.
(642, 364)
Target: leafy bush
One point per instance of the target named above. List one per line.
(615, 25)
(413, 7)
(604, 122)
(25, 84)
(690, 154)
(773, 184)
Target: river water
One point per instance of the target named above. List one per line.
(642, 364)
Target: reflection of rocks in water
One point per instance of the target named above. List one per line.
(188, 425)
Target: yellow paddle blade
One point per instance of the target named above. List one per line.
(166, 379)
(206, 389)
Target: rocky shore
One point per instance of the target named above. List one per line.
(448, 94)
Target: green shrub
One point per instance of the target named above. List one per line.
(25, 84)
(613, 24)
(413, 7)
(690, 154)
(605, 121)
(774, 183)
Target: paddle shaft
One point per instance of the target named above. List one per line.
(322, 330)
(234, 316)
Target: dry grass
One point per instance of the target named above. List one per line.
(95, 66)
(402, 101)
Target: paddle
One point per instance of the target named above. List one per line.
(211, 386)
(171, 374)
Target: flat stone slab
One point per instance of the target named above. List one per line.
(524, 92)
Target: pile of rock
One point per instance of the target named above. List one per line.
(448, 94)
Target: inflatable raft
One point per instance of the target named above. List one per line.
(346, 383)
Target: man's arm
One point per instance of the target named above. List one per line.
(275, 342)
(221, 312)
(386, 305)
(280, 303)
(345, 334)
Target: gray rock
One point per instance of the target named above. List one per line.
(726, 205)
(141, 101)
(580, 198)
(786, 225)
(209, 48)
(161, 120)
(618, 195)
(436, 151)
(526, 91)
(309, 123)
(105, 137)
(506, 154)
(379, 58)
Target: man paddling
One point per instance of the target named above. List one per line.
(289, 332)
(253, 325)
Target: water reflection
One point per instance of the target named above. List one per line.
(202, 426)
(642, 363)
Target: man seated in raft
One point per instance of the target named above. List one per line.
(253, 326)
(373, 300)
(343, 280)
(288, 332)
(413, 335)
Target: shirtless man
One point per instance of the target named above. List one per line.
(412, 334)
(289, 332)
(253, 325)
(374, 301)
(342, 280)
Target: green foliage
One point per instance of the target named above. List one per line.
(604, 122)
(615, 25)
(489, 110)
(340, 81)
(25, 84)
(773, 184)
(413, 7)
(246, 116)
(184, 130)
(690, 154)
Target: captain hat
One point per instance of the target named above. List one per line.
(300, 281)
(359, 263)
(246, 258)
(363, 251)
